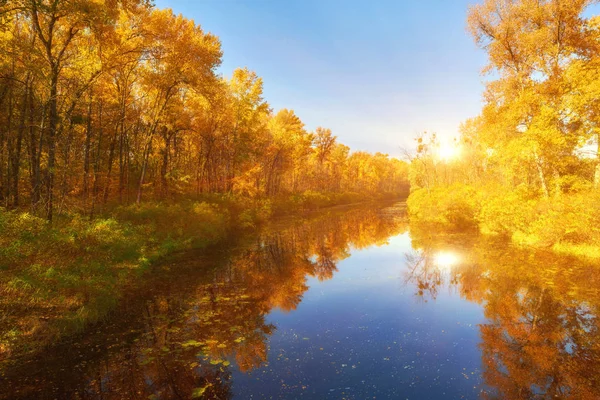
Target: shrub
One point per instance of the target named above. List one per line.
(566, 220)
(505, 212)
(313, 200)
(20, 235)
(453, 206)
(254, 211)
(191, 221)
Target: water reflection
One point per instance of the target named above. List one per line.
(531, 329)
(430, 270)
(183, 338)
(446, 260)
(541, 335)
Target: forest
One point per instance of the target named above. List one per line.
(528, 166)
(121, 143)
(117, 102)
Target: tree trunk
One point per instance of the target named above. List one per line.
(52, 132)
(86, 154)
(16, 161)
(111, 156)
(538, 164)
(7, 152)
(97, 165)
(121, 163)
(35, 152)
(143, 174)
(597, 172)
(165, 165)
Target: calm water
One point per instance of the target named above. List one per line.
(347, 305)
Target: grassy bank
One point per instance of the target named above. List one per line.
(56, 279)
(566, 223)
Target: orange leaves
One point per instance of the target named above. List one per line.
(180, 49)
(137, 106)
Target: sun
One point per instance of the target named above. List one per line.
(448, 151)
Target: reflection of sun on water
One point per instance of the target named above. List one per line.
(446, 260)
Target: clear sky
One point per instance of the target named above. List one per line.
(376, 72)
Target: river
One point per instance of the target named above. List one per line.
(348, 304)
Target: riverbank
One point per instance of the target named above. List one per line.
(566, 223)
(57, 279)
(201, 312)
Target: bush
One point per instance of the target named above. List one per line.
(505, 212)
(567, 220)
(569, 223)
(190, 222)
(312, 200)
(452, 206)
(20, 235)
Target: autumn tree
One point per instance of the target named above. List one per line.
(527, 118)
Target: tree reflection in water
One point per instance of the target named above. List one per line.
(186, 331)
(183, 339)
(541, 337)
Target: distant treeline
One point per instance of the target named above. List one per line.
(114, 101)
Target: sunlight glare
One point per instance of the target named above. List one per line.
(446, 260)
(448, 151)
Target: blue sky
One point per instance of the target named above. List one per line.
(375, 72)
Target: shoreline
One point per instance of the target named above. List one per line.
(81, 270)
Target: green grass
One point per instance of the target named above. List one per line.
(57, 279)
